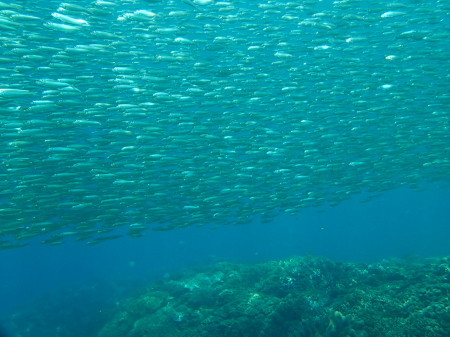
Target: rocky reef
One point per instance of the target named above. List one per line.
(297, 297)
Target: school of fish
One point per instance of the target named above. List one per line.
(162, 114)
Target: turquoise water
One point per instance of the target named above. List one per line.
(141, 137)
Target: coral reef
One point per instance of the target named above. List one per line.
(335, 325)
(301, 296)
(298, 297)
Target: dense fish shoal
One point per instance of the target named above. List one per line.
(168, 114)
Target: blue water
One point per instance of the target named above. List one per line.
(398, 223)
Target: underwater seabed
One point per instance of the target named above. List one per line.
(295, 297)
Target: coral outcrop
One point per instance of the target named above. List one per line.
(298, 297)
